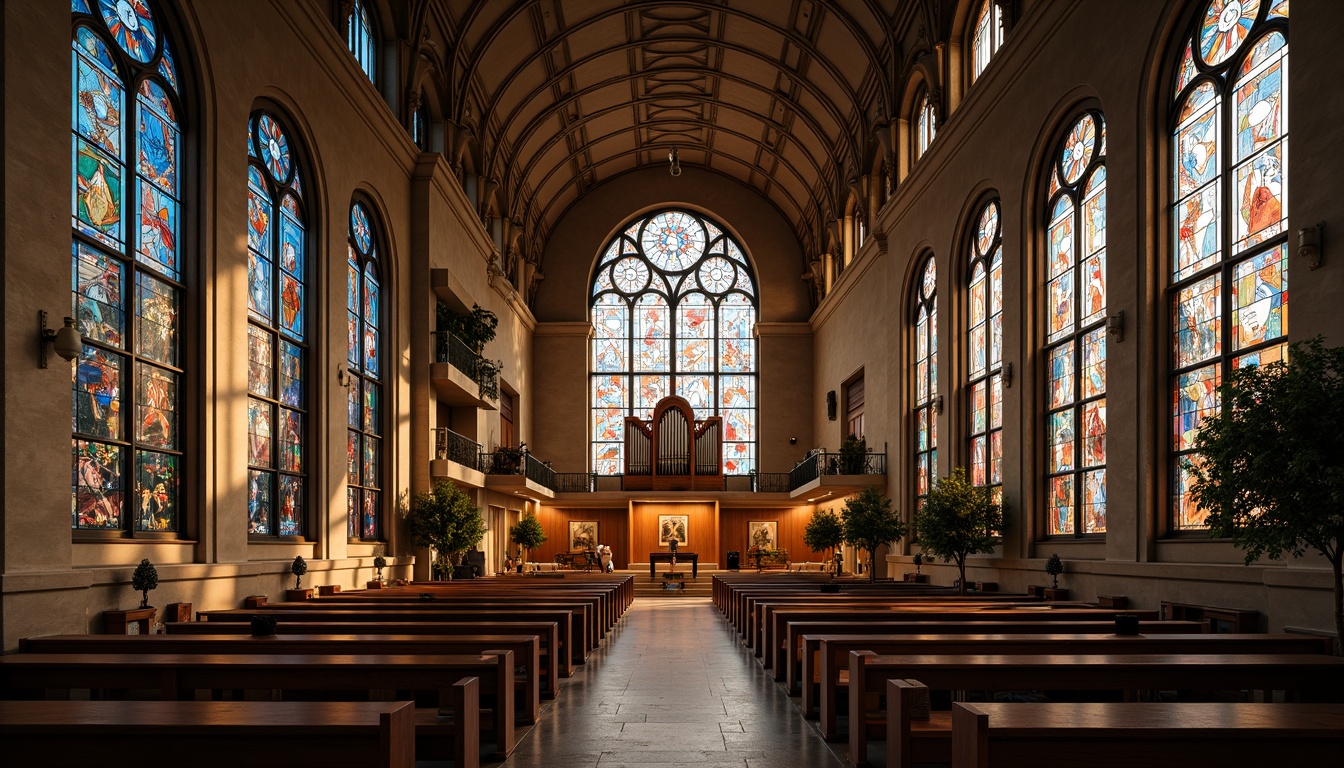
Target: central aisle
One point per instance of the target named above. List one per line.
(672, 686)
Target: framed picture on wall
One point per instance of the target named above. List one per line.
(582, 535)
(763, 534)
(672, 527)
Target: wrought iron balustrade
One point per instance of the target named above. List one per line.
(450, 446)
(455, 352)
(832, 463)
(575, 482)
(771, 482)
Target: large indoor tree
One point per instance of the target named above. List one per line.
(446, 520)
(957, 519)
(1270, 465)
(824, 532)
(870, 522)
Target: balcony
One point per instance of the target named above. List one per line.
(517, 470)
(457, 458)
(837, 473)
(461, 377)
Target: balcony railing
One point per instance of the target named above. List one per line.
(825, 463)
(575, 482)
(770, 482)
(512, 461)
(450, 446)
(455, 352)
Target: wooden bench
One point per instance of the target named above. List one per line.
(525, 649)
(599, 606)
(175, 676)
(1310, 676)
(1155, 735)
(218, 734)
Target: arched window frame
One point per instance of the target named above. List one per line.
(361, 37)
(1074, 350)
(1244, 276)
(652, 305)
(986, 36)
(366, 430)
(924, 372)
(984, 347)
(279, 330)
(422, 126)
(926, 124)
(129, 443)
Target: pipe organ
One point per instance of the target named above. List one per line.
(673, 451)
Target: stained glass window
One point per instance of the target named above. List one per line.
(926, 380)
(986, 37)
(985, 348)
(277, 333)
(1229, 193)
(126, 272)
(361, 38)
(925, 124)
(1075, 351)
(674, 313)
(364, 355)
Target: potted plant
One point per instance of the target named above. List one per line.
(145, 578)
(1053, 567)
(870, 522)
(958, 519)
(508, 460)
(824, 532)
(379, 563)
(918, 577)
(528, 534)
(445, 520)
(853, 456)
(1268, 464)
(298, 568)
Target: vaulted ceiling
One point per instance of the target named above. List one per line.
(554, 97)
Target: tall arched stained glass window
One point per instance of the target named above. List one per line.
(127, 257)
(926, 379)
(674, 312)
(925, 123)
(277, 333)
(1229, 193)
(984, 306)
(361, 37)
(364, 355)
(1075, 350)
(986, 37)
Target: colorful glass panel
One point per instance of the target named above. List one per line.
(672, 241)
(259, 502)
(97, 497)
(1259, 299)
(260, 353)
(1226, 25)
(1196, 399)
(1198, 321)
(98, 94)
(156, 407)
(1262, 209)
(258, 432)
(290, 424)
(987, 38)
(274, 148)
(98, 296)
(97, 379)
(1094, 363)
(1061, 505)
(291, 505)
(98, 194)
(359, 228)
(132, 26)
(1078, 147)
(364, 313)
(156, 486)
(1061, 375)
(291, 374)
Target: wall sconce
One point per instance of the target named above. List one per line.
(343, 377)
(67, 341)
(1007, 375)
(938, 403)
(1309, 244)
(1115, 326)
(675, 162)
(793, 441)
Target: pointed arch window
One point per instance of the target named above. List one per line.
(925, 123)
(127, 264)
(926, 379)
(364, 355)
(420, 124)
(984, 345)
(674, 312)
(277, 333)
(1229, 197)
(1075, 350)
(987, 36)
(362, 38)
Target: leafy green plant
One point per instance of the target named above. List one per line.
(958, 519)
(1270, 464)
(869, 522)
(527, 533)
(475, 329)
(379, 563)
(145, 578)
(508, 460)
(1053, 567)
(853, 456)
(298, 568)
(824, 532)
(445, 519)
(919, 562)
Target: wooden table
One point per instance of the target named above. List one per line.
(666, 557)
(211, 734)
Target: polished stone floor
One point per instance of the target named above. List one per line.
(671, 686)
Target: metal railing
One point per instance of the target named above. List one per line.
(575, 482)
(770, 482)
(455, 352)
(827, 463)
(539, 471)
(450, 446)
(512, 461)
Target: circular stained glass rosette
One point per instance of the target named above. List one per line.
(630, 275)
(274, 147)
(930, 279)
(989, 228)
(1078, 149)
(717, 275)
(132, 25)
(359, 227)
(1226, 25)
(673, 241)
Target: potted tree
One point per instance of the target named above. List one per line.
(870, 522)
(528, 534)
(379, 563)
(298, 568)
(445, 520)
(1053, 567)
(824, 533)
(918, 577)
(1270, 464)
(145, 578)
(853, 456)
(508, 460)
(958, 519)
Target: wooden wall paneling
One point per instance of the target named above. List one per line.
(613, 528)
(702, 532)
(792, 521)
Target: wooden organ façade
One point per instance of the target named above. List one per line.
(673, 451)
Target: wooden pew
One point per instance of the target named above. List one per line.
(525, 649)
(1310, 676)
(836, 649)
(1176, 735)
(218, 734)
(42, 674)
(592, 605)
(548, 632)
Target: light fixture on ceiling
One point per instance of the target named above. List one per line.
(675, 162)
(67, 342)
